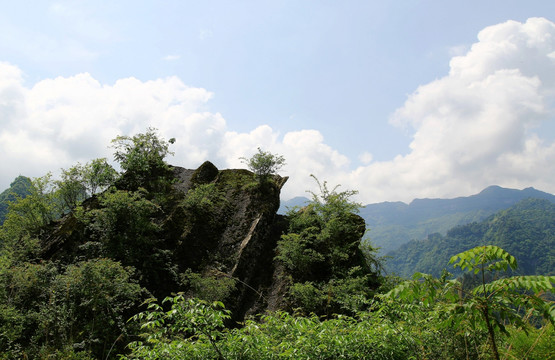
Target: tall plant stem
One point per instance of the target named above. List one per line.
(485, 311)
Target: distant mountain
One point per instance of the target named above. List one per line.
(19, 187)
(299, 201)
(392, 224)
(526, 230)
(395, 223)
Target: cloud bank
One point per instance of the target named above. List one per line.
(59, 122)
(482, 123)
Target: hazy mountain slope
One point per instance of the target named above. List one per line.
(526, 230)
(393, 224)
(299, 201)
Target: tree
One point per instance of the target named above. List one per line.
(142, 156)
(490, 306)
(124, 225)
(264, 163)
(81, 181)
(99, 175)
(27, 215)
(71, 188)
(18, 188)
(89, 304)
(82, 308)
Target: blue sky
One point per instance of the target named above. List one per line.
(366, 94)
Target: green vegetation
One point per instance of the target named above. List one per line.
(166, 332)
(28, 215)
(44, 309)
(526, 230)
(77, 305)
(142, 158)
(84, 258)
(193, 329)
(419, 319)
(321, 252)
(18, 189)
(490, 306)
(393, 224)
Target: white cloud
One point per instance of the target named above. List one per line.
(305, 152)
(58, 122)
(365, 158)
(480, 124)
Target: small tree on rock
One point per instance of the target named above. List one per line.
(264, 163)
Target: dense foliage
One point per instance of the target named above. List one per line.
(193, 329)
(142, 158)
(428, 318)
(329, 270)
(76, 305)
(489, 307)
(44, 307)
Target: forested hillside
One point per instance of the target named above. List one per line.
(18, 188)
(393, 224)
(526, 230)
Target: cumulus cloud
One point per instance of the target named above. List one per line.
(480, 124)
(365, 158)
(58, 122)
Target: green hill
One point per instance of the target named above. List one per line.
(17, 188)
(526, 230)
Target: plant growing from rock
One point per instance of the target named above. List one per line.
(321, 251)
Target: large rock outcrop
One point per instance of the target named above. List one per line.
(219, 223)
